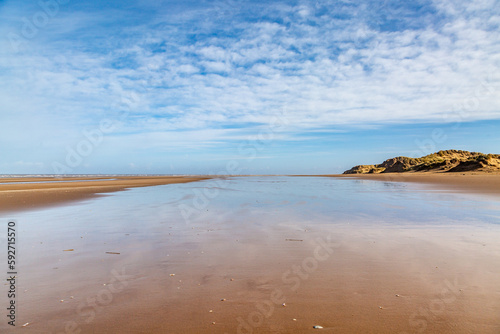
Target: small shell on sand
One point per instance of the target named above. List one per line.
(223, 300)
(318, 327)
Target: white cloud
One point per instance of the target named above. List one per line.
(191, 72)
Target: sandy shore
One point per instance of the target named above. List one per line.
(15, 196)
(478, 183)
(234, 278)
(232, 270)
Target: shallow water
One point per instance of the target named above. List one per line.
(331, 200)
(172, 228)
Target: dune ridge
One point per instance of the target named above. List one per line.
(442, 161)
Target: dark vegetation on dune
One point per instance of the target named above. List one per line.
(442, 161)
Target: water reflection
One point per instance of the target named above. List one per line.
(148, 229)
(327, 200)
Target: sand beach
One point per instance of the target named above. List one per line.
(265, 254)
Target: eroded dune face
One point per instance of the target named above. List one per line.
(442, 161)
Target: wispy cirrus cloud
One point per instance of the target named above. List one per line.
(229, 64)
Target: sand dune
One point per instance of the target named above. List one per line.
(442, 161)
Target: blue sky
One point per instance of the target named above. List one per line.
(262, 87)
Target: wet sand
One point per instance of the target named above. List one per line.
(233, 275)
(477, 183)
(23, 196)
(16, 195)
(367, 280)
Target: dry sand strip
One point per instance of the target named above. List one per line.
(475, 182)
(23, 196)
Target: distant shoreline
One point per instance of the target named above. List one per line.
(472, 182)
(25, 193)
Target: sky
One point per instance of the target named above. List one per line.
(243, 87)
